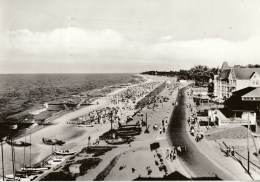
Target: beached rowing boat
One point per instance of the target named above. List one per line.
(52, 141)
(85, 125)
(34, 168)
(64, 152)
(18, 143)
(129, 132)
(116, 141)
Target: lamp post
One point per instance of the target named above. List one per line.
(13, 128)
(146, 130)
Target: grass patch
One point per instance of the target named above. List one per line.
(87, 164)
(59, 176)
(65, 175)
(146, 100)
(229, 133)
(101, 176)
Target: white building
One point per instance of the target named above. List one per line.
(233, 79)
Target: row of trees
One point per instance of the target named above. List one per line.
(200, 74)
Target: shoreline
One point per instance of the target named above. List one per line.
(74, 140)
(114, 90)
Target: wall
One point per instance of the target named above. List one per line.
(252, 117)
(242, 84)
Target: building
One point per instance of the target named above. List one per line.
(197, 92)
(245, 104)
(231, 79)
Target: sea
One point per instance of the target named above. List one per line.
(19, 92)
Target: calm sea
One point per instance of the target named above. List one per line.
(19, 92)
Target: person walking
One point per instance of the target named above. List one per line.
(232, 151)
(197, 138)
(228, 152)
(167, 154)
(192, 131)
(171, 156)
(174, 150)
(201, 134)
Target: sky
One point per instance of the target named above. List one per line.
(126, 36)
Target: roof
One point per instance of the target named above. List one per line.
(224, 74)
(205, 97)
(253, 93)
(243, 91)
(245, 73)
(224, 66)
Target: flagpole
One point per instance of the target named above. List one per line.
(2, 150)
(248, 153)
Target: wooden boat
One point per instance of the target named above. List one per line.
(34, 168)
(28, 172)
(64, 152)
(116, 141)
(18, 143)
(52, 141)
(11, 177)
(134, 126)
(85, 125)
(55, 161)
(129, 132)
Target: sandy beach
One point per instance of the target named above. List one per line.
(75, 137)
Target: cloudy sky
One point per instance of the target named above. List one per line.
(94, 36)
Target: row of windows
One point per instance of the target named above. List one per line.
(251, 98)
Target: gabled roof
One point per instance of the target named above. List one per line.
(224, 66)
(253, 93)
(224, 74)
(245, 73)
(243, 91)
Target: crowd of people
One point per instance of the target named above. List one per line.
(195, 130)
(175, 151)
(230, 151)
(122, 105)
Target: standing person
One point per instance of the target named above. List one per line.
(179, 150)
(171, 156)
(201, 134)
(192, 131)
(167, 154)
(228, 151)
(188, 121)
(160, 130)
(182, 149)
(197, 138)
(89, 138)
(232, 151)
(185, 150)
